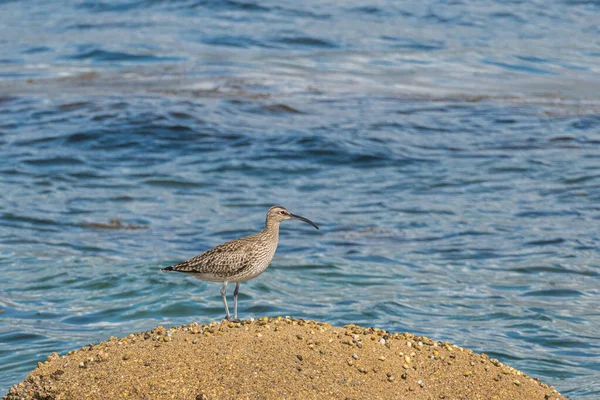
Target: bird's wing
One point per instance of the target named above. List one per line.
(224, 259)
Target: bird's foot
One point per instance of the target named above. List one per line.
(233, 319)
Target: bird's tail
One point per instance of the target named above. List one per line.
(181, 267)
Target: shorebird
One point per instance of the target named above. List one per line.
(239, 260)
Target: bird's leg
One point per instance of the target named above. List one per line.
(235, 297)
(224, 297)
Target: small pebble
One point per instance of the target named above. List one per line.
(355, 356)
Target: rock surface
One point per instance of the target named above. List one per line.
(275, 358)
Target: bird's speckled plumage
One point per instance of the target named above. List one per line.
(235, 261)
(241, 259)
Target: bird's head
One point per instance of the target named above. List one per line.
(278, 214)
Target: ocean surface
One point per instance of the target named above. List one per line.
(449, 151)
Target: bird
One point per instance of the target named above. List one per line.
(239, 260)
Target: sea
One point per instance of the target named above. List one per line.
(449, 151)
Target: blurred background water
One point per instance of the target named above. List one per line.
(450, 152)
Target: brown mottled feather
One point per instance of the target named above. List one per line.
(240, 259)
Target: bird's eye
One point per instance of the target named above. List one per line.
(282, 212)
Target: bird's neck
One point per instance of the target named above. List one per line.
(271, 229)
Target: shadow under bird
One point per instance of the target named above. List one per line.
(241, 259)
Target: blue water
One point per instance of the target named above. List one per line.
(449, 151)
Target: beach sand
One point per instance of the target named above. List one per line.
(275, 358)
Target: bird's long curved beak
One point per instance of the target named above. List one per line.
(308, 221)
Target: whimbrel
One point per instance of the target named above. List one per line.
(239, 260)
